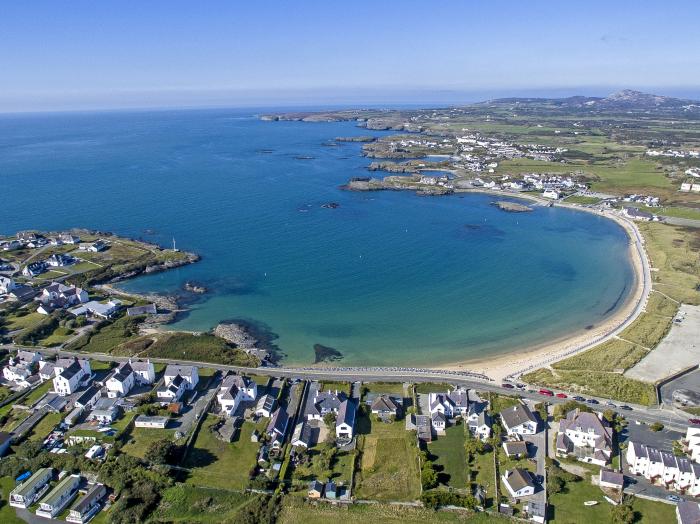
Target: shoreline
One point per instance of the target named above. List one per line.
(517, 362)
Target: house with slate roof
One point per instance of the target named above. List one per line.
(384, 406)
(324, 402)
(120, 382)
(235, 389)
(588, 436)
(518, 420)
(345, 421)
(519, 483)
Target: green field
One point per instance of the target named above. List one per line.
(184, 503)
(7, 512)
(448, 455)
(44, 427)
(581, 199)
(15, 322)
(201, 348)
(297, 511)
(219, 464)
(388, 461)
(567, 507)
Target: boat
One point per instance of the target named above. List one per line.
(590, 503)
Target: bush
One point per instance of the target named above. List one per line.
(656, 426)
(437, 498)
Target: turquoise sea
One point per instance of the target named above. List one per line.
(386, 278)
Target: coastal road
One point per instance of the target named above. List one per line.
(670, 417)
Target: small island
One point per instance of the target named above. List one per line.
(511, 207)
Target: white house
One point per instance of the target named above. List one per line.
(324, 402)
(519, 483)
(97, 309)
(588, 436)
(190, 374)
(65, 491)
(479, 421)
(440, 403)
(663, 468)
(144, 372)
(551, 193)
(636, 214)
(88, 398)
(21, 367)
(62, 295)
(6, 285)
(69, 377)
(266, 406)
(345, 421)
(692, 442)
(519, 420)
(438, 421)
(120, 382)
(87, 505)
(172, 390)
(233, 390)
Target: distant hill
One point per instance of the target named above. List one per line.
(625, 99)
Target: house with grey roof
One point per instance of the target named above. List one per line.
(190, 374)
(345, 421)
(323, 403)
(87, 505)
(235, 389)
(479, 421)
(518, 420)
(588, 436)
(31, 489)
(517, 448)
(384, 406)
(688, 512)
(611, 479)
(277, 427)
(303, 435)
(136, 311)
(518, 482)
(266, 406)
(438, 421)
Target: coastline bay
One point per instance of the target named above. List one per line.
(385, 278)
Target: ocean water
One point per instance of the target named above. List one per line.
(386, 278)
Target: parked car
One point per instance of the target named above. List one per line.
(694, 420)
(611, 404)
(561, 395)
(626, 407)
(592, 401)
(546, 392)
(520, 386)
(673, 498)
(507, 386)
(579, 398)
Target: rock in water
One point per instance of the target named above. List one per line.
(194, 287)
(326, 354)
(512, 207)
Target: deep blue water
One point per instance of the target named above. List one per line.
(386, 278)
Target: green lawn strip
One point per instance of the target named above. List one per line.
(388, 461)
(501, 402)
(186, 503)
(44, 427)
(448, 455)
(339, 471)
(7, 512)
(430, 387)
(202, 348)
(15, 322)
(333, 386)
(673, 211)
(481, 469)
(581, 199)
(219, 464)
(602, 384)
(37, 393)
(384, 388)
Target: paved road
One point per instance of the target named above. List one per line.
(687, 222)
(690, 381)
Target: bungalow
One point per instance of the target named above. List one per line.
(302, 435)
(88, 398)
(93, 247)
(34, 269)
(60, 260)
(384, 406)
(136, 311)
(87, 505)
(611, 479)
(515, 449)
(266, 406)
(97, 309)
(120, 382)
(104, 415)
(65, 491)
(277, 427)
(636, 214)
(331, 490)
(345, 422)
(518, 482)
(31, 489)
(10, 245)
(143, 421)
(588, 436)
(519, 420)
(315, 490)
(190, 374)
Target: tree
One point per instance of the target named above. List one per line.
(560, 410)
(329, 420)
(656, 426)
(610, 416)
(428, 476)
(622, 514)
(161, 451)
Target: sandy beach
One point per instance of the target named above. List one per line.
(527, 359)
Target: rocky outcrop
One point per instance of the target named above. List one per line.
(511, 207)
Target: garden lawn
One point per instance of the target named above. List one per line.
(27, 321)
(447, 453)
(139, 439)
(37, 393)
(483, 474)
(44, 427)
(219, 464)
(388, 461)
(568, 508)
(7, 512)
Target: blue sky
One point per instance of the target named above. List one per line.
(79, 54)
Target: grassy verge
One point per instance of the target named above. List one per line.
(219, 464)
(202, 348)
(184, 503)
(139, 439)
(7, 512)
